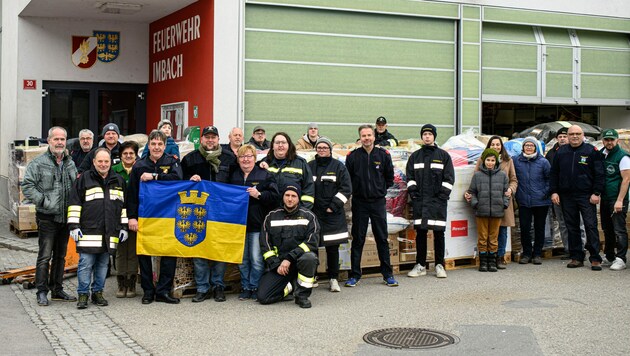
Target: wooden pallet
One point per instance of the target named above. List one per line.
(553, 252)
(460, 262)
(23, 234)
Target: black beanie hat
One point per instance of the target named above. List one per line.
(430, 128)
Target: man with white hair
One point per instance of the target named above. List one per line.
(86, 144)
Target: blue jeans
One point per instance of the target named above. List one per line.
(502, 238)
(203, 271)
(92, 270)
(252, 267)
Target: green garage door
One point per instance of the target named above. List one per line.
(344, 68)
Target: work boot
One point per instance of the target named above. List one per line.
(492, 262)
(219, 295)
(303, 302)
(97, 298)
(83, 301)
(501, 263)
(122, 286)
(483, 262)
(131, 286)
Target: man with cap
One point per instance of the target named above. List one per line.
(289, 243)
(614, 204)
(430, 179)
(383, 138)
(110, 134)
(577, 181)
(171, 146)
(215, 163)
(556, 210)
(371, 172)
(333, 188)
(259, 139)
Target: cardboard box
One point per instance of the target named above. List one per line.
(369, 258)
(407, 246)
(25, 219)
(344, 258)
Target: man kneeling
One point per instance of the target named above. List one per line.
(289, 242)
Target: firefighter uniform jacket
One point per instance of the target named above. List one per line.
(166, 168)
(288, 235)
(97, 208)
(87, 161)
(371, 173)
(332, 190)
(295, 172)
(430, 178)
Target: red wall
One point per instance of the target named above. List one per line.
(192, 81)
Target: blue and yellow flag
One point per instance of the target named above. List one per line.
(192, 219)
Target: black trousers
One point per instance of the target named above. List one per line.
(273, 286)
(615, 231)
(332, 261)
(167, 275)
(572, 207)
(53, 245)
(421, 247)
(525, 216)
(362, 213)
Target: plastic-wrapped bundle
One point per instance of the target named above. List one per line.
(396, 197)
(514, 147)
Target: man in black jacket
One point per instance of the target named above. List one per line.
(289, 243)
(430, 179)
(371, 172)
(383, 137)
(215, 163)
(577, 181)
(110, 133)
(156, 166)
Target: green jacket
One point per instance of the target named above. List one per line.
(613, 174)
(118, 168)
(48, 187)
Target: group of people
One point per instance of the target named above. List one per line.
(297, 206)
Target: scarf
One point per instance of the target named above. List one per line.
(533, 155)
(212, 157)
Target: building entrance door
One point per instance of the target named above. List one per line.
(78, 105)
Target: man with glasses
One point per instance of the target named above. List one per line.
(614, 205)
(577, 181)
(110, 134)
(214, 163)
(86, 143)
(259, 139)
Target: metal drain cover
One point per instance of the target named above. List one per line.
(410, 338)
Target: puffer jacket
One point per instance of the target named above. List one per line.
(97, 208)
(48, 187)
(288, 235)
(488, 188)
(332, 190)
(533, 181)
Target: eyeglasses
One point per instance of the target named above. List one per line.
(128, 153)
(85, 139)
(529, 146)
(323, 148)
(246, 156)
(281, 143)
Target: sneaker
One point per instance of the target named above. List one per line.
(537, 260)
(97, 298)
(200, 297)
(606, 262)
(618, 264)
(63, 296)
(245, 294)
(575, 264)
(524, 260)
(391, 281)
(334, 285)
(352, 282)
(83, 301)
(219, 295)
(42, 298)
(417, 271)
(596, 266)
(254, 295)
(439, 271)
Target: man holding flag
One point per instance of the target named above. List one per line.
(156, 166)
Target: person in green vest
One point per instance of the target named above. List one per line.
(614, 205)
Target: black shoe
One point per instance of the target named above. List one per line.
(524, 260)
(575, 264)
(97, 298)
(83, 301)
(303, 302)
(200, 297)
(42, 298)
(63, 296)
(147, 298)
(219, 295)
(537, 260)
(165, 298)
